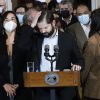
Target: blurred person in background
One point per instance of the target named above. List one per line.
(20, 12)
(32, 12)
(66, 14)
(82, 27)
(2, 6)
(29, 4)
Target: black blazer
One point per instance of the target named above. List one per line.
(24, 52)
(4, 69)
(4, 58)
(68, 51)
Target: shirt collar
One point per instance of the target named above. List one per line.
(55, 33)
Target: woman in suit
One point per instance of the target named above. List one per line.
(8, 40)
(91, 74)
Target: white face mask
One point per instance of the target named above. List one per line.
(20, 18)
(1, 9)
(10, 26)
(84, 19)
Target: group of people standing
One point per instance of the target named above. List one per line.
(24, 35)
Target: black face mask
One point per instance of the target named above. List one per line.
(65, 13)
(48, 34)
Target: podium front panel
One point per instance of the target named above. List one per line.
(51, 79)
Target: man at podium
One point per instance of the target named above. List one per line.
(53, 43)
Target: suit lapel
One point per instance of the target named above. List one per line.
(80, 30)
(39, 48)
(60, 44)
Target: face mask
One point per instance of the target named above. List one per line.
(1, 9)
(20, 18)
(65, 13)
(84, 19)
(10, 26)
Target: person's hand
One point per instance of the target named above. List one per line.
(35, 19)
(75, 67)
(10, 89)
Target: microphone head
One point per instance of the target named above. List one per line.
(46, 48)
(56, 48)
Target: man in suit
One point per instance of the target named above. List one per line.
(82, 27)
(66, 14)
(68, 53)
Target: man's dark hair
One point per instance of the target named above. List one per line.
(46, 15)
(83, 4)
(95, 22)
(37, 5)
(19, 6)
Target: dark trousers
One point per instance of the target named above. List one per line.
(3, 95)
(24, 94)
(62, 93)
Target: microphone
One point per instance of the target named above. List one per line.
(46, 48)
(56, 50)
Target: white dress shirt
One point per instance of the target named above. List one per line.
(86, 29)
(51, 41)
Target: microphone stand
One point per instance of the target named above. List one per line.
(50, 58)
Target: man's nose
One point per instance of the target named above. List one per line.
(43, 30)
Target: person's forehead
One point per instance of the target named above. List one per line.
(10, 15)
(29, 5)
(33, 12)
(20, 9)
(63, 5)
(82, 9)
(2, 2)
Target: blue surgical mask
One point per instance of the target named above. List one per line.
(20, 18)
(84, 19)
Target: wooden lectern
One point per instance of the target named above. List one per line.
(51, 79)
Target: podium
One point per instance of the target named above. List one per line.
(51, 79)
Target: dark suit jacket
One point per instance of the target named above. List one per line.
(64, 25)
(68, 51)
(24, 53)
(79, 34)
(4, 70)
(4, 67)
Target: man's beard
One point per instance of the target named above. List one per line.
(49, 34)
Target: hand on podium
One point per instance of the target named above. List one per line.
(75, 67)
